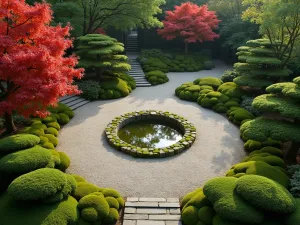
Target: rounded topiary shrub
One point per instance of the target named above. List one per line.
(27, 160)
(61, 213)
(63, 118)
(85, 188)
(228, 204)
(210, 81)
(239, 115)
(113, 87)
(156, 77)
(18, 142)
(229, 76)
(190, 91)
(231, 90)
(208, 65)
(265, 194)
(293, 218)
(42, 184)
(213, 100)
(90, 89)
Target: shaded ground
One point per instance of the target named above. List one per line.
(216, 149)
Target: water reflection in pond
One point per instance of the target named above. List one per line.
(150, 134)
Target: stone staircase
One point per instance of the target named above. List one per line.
(152, 211)
(132, 42)
(73, 101)
(138, 74)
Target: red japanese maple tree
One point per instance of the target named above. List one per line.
(191, 22)
(34, 71)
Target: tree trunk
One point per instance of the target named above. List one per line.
(9, 123)
(291, 155)
(186, 47)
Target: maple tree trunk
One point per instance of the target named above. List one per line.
(9, 123)
(186, 47)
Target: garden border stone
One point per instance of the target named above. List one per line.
(187, 128)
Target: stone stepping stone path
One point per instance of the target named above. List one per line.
(152, 211)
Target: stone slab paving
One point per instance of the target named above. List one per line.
(152, 211)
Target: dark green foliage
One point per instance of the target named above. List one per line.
(42, 184)
(60, 213)
(247, 104)
(113, 88)
(47, 119)
(228, 204)
(229, 76)
(63, 119)
(270, 150)
(90, 89)
(259, 168)
(156, 77)
(252, 81)
(294, 173)
(210, 81)
(293, 218)
(18, 142)
(27, 160)
(102, 53)
(262, 129)
(237, 115)
(190, 215)
(252, 145)
(208, 65)
(152, 64)
(265, 194)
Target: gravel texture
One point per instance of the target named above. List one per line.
(216, 149)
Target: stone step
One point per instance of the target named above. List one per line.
(66, 97)
(70, 100)
(73, 103)
(144, 85)
(80, 104)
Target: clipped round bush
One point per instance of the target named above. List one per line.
(156, 77)
(210, 81)
(27, 160)
(190, 91)
(54, 125)
(238, 115)
(212, 99)
(64, 161)
(252, 145)
(228, 204)
(39, 185)
(190, 195)
(265, 194)
(52, 139)
(78, 178)
(49, 119)
(267, 158)
(63, 118)
(229, 76)
(112, 217)
(113, 87)
(231, 90)
(51, 130)
(18, 142)
(293, 218)
(259, 168)
(190, 215)
(208, 65)
(85, 188)
(270, 150)
(90, 89)
(113, 203)
(61, 213)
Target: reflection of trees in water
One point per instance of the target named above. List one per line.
(147, 134)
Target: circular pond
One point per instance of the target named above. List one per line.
(150, 133)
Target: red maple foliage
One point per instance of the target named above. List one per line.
(34, 71)
(191, 22)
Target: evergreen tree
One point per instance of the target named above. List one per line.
(283, 99)
(103, 54)
(258, 66)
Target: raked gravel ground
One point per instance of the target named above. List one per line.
(216, 149)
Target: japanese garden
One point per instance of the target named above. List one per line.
(161, 112)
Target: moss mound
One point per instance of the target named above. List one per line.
(259, 168)
(265, 194)
(228, 204)
(293, 218)
(51, 130)
(267, 158)
(63, 119)
(42, 184)
(113, 88)
(21, 213)
(270, 150)
(156, 77)
(211, 81)
(27, 160)
(252, 145)
(190, 91)
(85, 188)
(190, 195)
(231, 90)
(239, 115)
(213, 100)
(18, 142)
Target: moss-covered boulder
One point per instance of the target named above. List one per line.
(20, 213)
(190, 91)
(259, 168)
(27, 160)
(239, 115)
(48, 185)
(18, 142)
(265, 194)
(211, 81)
(156, 77)
(228, 204)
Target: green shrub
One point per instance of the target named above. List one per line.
(156, 64)
(27, 160)
(112, 217)
(47, 145)
(294, 172)
(90, 89)
(63, 118)
(267, 158)
(60, 213)
(252, 145)
(109, 192)
(190, 215)
(210, 81)
(259, 168)
(51, 130)
(208, 65)
(237, 115)
(190, 91)
(78, 178)
(18, 142)
(52, 139)
(293, 218)
(85, 188)
(247, 104)
(231, 90)
(60, 108)
(265, 194)
(156, 77)
(93, 207)
(211, 99)
(129, 79)
(113, 203)
(54, 125)
(49, 119)
(229, 76)
(228, 204)
(64, 161)
(41, 184)
(114, 87)
(198, 200)
(70, 114)
(270, 150)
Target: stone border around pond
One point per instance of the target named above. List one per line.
(187, 128)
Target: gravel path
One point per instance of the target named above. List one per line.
(216, 149)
